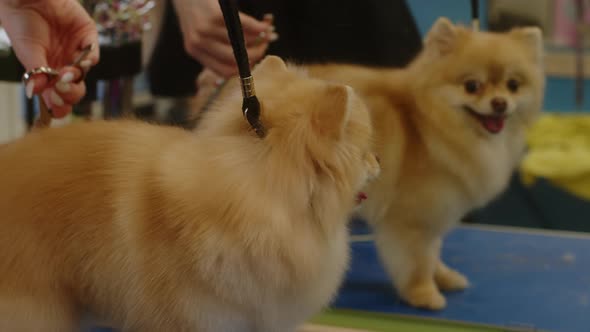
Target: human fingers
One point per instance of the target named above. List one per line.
(257, 52)
(253, 27)
(70, 88)
(220, 68)
(222, 51)
(67, 89)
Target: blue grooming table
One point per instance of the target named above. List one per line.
(533, 280)
(537, 280)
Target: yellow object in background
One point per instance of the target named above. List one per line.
(559, 151)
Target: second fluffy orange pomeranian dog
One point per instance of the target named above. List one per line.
(450, 130)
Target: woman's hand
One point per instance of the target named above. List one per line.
(51, 33)
(206, 40)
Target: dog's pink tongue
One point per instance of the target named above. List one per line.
(493, 124)
(361, 196)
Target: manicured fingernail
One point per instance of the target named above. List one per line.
(85, 64)
(273, 36)
(62, 86)
(56, 99)
(29, 88)
(262, 35)
(219, 82)
(268, 17)
(67, 77)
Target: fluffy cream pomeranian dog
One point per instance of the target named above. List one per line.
(450, 131)
(160, 229)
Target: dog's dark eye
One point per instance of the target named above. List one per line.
(512, 85)
(472, 86)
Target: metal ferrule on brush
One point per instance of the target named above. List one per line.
(248, 87)
(250, 104)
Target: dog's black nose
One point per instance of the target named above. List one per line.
(499, 105)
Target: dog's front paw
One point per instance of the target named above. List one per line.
(426, 296)
(448, 279)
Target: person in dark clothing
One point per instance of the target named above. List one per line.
(372, 33)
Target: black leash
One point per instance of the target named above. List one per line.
(250, 104)
(475, 15)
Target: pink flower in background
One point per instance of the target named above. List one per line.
(565, 21)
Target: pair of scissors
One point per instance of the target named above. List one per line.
(45, 115)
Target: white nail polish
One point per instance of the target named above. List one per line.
(273, 36)
(85, 64)
(63, 87)
(29, 88)
(268, 17)
(262, 35)
(219, 82)
(67, 77)
(56, 99)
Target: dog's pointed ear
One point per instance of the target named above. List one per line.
(532, 39)
(270, 64)
(442, 36)
(330, 117)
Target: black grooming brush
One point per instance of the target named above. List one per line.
(250, 105)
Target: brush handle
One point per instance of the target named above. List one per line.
(475, 10)
(250, 104)
(475, 14)
(229, 8)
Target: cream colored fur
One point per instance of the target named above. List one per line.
(438, 161)
(159, 229)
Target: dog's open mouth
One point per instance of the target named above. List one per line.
(360, 197)
(492, 123)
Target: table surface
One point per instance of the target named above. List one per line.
(519, 278)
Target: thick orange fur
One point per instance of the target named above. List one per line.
(438, 161)
(160, 229)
